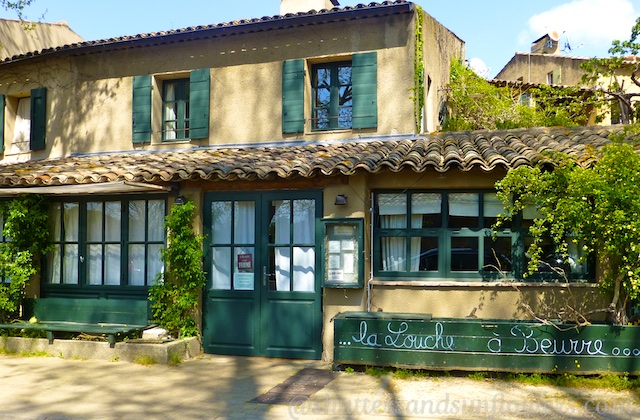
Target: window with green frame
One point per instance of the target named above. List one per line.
(106, 242)
(332, 96)
(448, 235)
(175, 109)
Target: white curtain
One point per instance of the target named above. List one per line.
(492, 205)
(170, 111)
(22, 128)
(421, 205)
(56, 233)
(221, 255)
(282, 221)
(304, 257)
(393, 214)
(463, 204)
(71, 223)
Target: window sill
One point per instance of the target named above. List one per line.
(440, 283)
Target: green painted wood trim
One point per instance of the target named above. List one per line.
(2, 105)
(199, 94)
(91, 311)
(141, 109)
(38, 118)
(475, 344)
(364, 80)
(293, 96)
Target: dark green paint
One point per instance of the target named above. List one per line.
(141, 108)
(293, 96)
(474, 344)
(365, 90)
(38, 118)
(199, 81)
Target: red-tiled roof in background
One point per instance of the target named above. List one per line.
(486, 150)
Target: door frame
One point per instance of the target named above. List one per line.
(265, 305)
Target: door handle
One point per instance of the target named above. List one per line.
(264, 276)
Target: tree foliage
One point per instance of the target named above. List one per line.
(597, 207)
(175, 295)
(18, 6)
(473, 103)
(611, 75)
(26, 227)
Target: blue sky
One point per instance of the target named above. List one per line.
(492, 29)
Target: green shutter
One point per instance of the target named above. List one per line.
(364, 79)
(199, 87)
(141, 108)
(1, 123)
(38, 118)
(293, 96)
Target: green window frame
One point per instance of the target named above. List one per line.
(175, 109)
(106, 242)
(444, 235)
(332, 89)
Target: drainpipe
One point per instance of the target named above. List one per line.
(371, 220)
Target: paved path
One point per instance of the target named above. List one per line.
(222, 387)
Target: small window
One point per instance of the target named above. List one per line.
(332, 96)
(550, 78)
(22, 127)
(175, 109)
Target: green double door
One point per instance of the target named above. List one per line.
(263, 296)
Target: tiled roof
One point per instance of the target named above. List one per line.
(486, 150)
(262, 24)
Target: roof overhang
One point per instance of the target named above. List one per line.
(118, 187)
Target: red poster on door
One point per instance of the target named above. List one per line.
(245, 262)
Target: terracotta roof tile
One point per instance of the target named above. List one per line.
(486, 150)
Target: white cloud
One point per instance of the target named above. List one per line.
(592, 24)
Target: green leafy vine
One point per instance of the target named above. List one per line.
(418, 88)
(26, 225)
(175, 294)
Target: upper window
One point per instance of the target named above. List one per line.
(106, 242)
(185, 108)
(175, 107)
(26, 121)
(449, 235)
(344, 94)
(332, 96)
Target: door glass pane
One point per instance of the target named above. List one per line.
(154, 262)
(221, 269)
(156, 220)
(244, 227)
(94, 222)
(304, 269)
(136, 264)
(282, 260)
(280, 226)
(70, 273)
(71, 221)
(221, 222)
(137, 221)
(243, 269)
(492, 208)
(304, 221)
(464, 254)
(112, 222)
(95, 265)
(112, 264)
(394, 254)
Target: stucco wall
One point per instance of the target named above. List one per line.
(89, 96)
(441, 298)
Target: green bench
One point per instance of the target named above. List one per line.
(91, 316)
